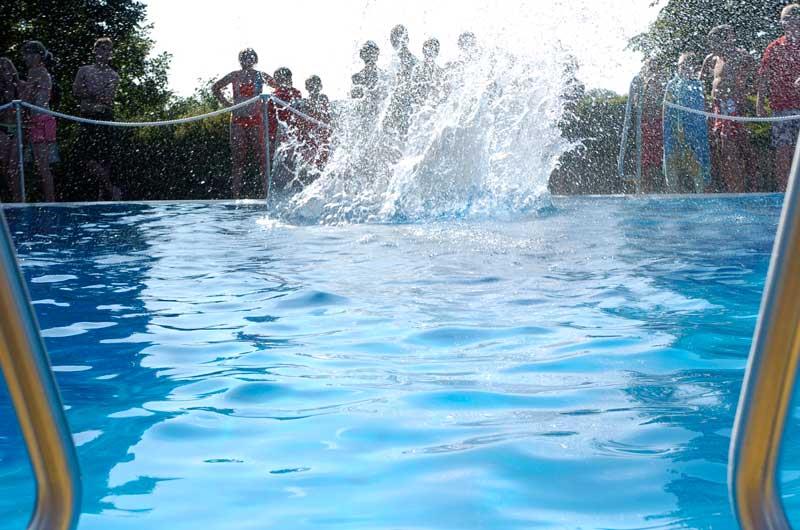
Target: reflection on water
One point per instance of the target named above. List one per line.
(576, 368)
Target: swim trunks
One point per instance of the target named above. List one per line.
(42, 129)
(251, 115)
(784, 133)
(652, 142)
(247, 121)
(97, 143)
(727, 129)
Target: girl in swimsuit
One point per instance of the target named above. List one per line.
(247, 127)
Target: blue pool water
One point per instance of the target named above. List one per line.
(578, 368)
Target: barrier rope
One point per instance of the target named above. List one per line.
(6, 106)
(288, 106)
(178, 121)
(742, 119)
(141, 123)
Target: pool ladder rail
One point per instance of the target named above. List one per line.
(32, 387)
(765, 401)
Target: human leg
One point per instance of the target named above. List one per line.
(255, 144)
(42, 136)
(41, 156)
(9, 160)
(784, 140)
(238, 157)
(732, 166)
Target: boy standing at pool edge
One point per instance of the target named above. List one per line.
(37, 90)
(95, 87)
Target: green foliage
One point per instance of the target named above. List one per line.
(68, 28)
(594, 126)
(186, 161)
(683, 25)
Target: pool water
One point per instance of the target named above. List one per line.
(575, 368)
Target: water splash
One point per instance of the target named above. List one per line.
(483, 144)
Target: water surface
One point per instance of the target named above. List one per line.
(576, 368)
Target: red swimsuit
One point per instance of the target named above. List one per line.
(242, 91)
(287, 95)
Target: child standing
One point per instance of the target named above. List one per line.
(37, 90)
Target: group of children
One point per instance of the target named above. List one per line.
(94, 88)
(681, 152)
(415, 82)
(685, 152)
(312, 137)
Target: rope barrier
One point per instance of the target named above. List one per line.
(288, 106)
(742, 119)
(141, 123)
(6, 106)
(178, 121)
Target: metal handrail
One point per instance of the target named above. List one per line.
(765, 401)
(36, 400)
(634, 92)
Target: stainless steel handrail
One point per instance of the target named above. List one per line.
(36, 400)
(764, 404)
(634, 93)
(20, 150)
(626, 129)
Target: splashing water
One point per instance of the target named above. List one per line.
(483, 144)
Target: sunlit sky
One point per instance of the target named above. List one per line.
(323, 36)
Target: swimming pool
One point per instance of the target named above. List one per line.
(577, 368)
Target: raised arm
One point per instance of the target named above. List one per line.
(706, 76)
(268, 80)
(217, 87)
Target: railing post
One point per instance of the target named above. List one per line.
(36, 400)
(267, 154)
(20, 149)
(765, 401)
(639, 139)
(626, 130)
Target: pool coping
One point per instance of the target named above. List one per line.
(253, 202)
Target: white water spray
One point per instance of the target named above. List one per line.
(484, 147)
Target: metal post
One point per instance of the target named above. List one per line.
(267, 155)
(639, 140)
(20, 149)
(34, 393)
(765, 402)
(626, 129)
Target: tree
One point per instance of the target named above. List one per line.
(68, 28)
(593, 124)
(683, 25)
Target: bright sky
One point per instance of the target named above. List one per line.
(323, 36)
